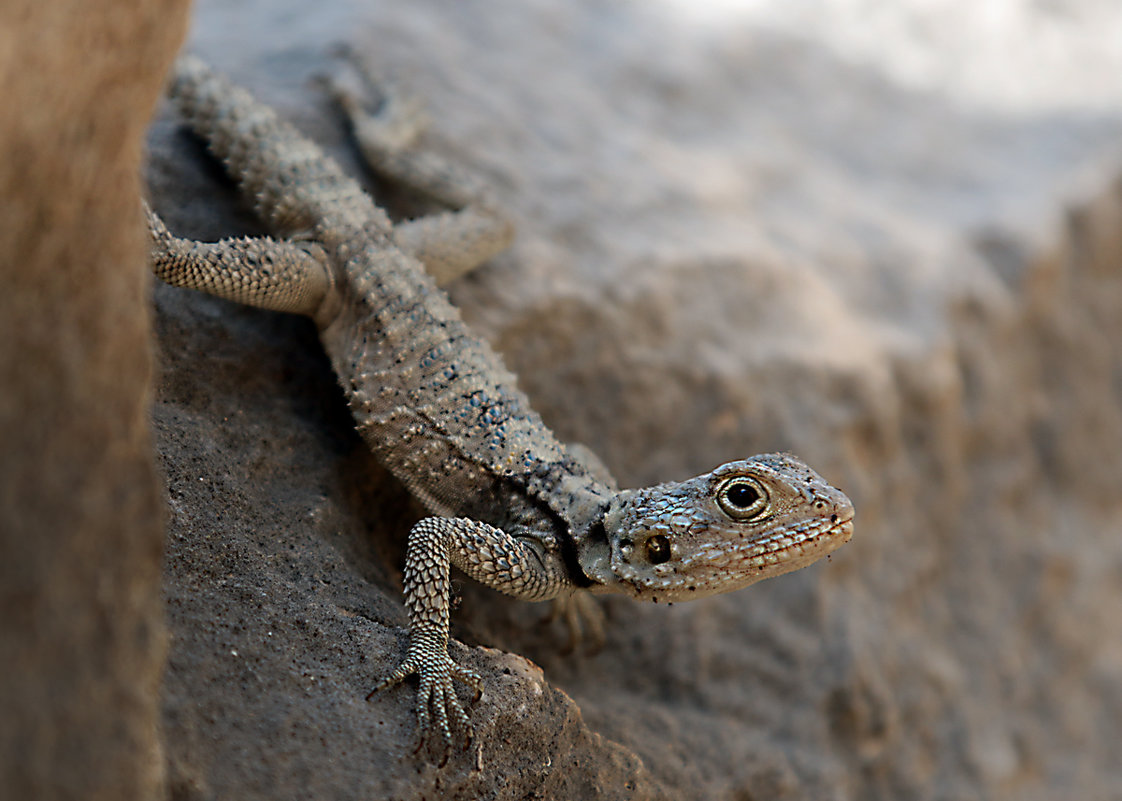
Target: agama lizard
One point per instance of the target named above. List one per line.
(511, 506)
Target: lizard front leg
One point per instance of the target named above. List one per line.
(272, 274)
(517, 567)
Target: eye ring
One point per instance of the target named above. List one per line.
(742, 498)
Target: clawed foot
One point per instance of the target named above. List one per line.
(385, 121)
(583, 619)
(437, 703)
(460, 227)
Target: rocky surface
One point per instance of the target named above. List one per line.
(82, 641)
(737, 233)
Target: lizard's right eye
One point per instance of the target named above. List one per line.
(742, 498)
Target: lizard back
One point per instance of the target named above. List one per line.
(434, 401)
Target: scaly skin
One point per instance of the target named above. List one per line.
(512, 507)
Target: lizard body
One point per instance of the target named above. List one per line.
(511, 506)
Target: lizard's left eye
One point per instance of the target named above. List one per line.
(742, 498)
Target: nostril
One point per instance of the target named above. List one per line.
(833, 518)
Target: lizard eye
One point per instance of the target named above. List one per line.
(658, 549)
(742, 498)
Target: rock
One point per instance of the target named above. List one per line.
(732, 238)
(82, 639)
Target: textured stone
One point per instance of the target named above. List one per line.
(732, 239)
(82, 640)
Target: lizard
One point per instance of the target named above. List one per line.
(507, 503)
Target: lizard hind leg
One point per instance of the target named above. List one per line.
(583, 620)
(470, 229)
(263, 272)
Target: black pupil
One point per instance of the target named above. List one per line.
(658, 549)
(742, 495)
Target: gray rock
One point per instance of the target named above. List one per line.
(732, 239)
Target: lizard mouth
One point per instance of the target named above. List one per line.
(787, 548)
(729, 566)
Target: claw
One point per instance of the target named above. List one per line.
(437, 707)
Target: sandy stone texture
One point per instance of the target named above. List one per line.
(82, 640)
(739, 231)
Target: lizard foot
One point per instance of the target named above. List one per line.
(437, 703)
(385, 120)
(583, 619)
(455, 225)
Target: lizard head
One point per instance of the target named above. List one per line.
(743, 522)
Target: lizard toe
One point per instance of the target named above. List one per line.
(439, 710)
(403, 671)
(470, 678)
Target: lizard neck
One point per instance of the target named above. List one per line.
(594, 550)
(578, 496)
